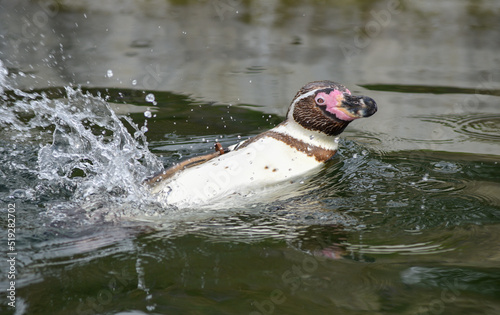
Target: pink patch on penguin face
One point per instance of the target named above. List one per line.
(332, 101)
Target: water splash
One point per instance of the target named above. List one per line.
(3, 76)
(90, 141)
(82, 148)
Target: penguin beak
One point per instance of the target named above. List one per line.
(358, 106)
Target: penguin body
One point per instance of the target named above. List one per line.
(303, 142)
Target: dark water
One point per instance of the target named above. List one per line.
(95, 97)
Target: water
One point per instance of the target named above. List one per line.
(404, 219)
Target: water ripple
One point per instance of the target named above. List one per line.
(485, 127)
(436, 185)
(401, 249)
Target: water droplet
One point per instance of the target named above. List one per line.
(355, 155)
(134, 82)
(147, 114)
(19, 194)
(150, 98)
(425, 178)
(239, 137)
(311, 137)
(109, 73)
(144, 129)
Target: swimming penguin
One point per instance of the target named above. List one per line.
(319, 112)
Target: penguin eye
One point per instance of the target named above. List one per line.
(320, 101)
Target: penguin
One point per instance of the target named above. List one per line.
(302, 143)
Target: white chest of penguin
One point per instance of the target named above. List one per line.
(262, 163)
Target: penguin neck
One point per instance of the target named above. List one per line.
(313, 138)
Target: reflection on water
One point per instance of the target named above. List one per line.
(97, 96)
